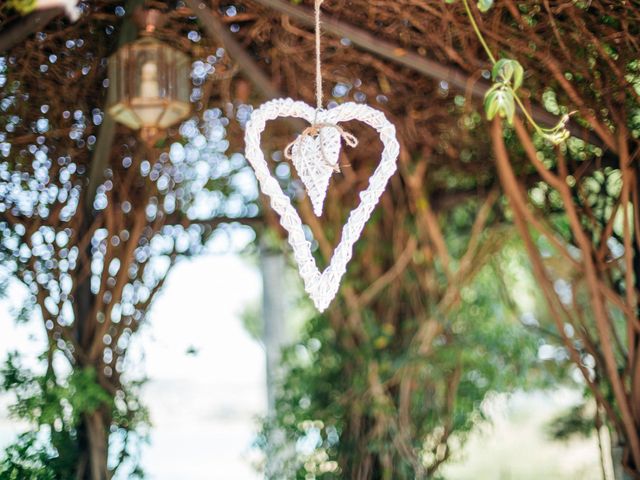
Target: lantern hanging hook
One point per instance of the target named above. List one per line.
(149, 20)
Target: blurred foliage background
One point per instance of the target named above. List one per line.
(503, 257)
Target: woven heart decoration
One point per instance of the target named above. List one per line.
(321, 286)
(315, 155)
(316, 159)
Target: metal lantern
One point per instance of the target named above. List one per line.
(149, 83)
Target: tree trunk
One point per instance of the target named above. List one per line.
(617, 452)
(93, 441)
(617, 458)
(276, 335)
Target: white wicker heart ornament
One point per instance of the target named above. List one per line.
(316, 159)
(321, 286)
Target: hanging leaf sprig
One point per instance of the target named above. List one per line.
(507, 75)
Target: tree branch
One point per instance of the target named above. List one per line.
(429, 68)
(220, 33)
(21, 29)
(107, 132)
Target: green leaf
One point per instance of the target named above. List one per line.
(518, 74)
(499, 101)
(508, 71)
(23, 7)
(508, 107)
(490, 104)
(502, 71)
(558, 137)
(485, 5)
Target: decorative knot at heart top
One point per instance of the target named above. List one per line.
(321, 286)
(315, 155)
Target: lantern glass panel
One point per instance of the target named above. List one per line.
(149, 85)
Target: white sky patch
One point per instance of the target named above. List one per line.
(204, 406)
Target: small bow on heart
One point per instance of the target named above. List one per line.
(313, 131)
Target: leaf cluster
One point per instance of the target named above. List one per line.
(483, 348)
(55, 408)
(23, 7)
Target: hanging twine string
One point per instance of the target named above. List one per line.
(314, 130)
(318, 58)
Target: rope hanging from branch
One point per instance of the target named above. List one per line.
(319, 93)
